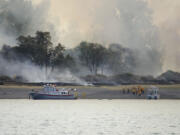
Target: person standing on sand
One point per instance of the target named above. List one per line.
(123, 91)
(128, 91)
(133, 91)
(139, 92)
(142, 90)
(136, 91)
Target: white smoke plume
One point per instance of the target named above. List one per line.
(166, 17)
(22, 17)
(131, 23)
(127, 22)
(33, 73)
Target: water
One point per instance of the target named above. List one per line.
(90, 117)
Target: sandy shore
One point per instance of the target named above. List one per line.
(87, 92)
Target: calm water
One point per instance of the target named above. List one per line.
(90, 117)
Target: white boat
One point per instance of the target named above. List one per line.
(153, 93)
(51, 92)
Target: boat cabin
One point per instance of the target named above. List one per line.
(52, 90)
(153, 93)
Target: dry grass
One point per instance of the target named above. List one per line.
(120, 87)
(39, 87)
(19, 86)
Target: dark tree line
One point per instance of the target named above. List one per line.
(115, 58)
(40, 50)
(93, 55)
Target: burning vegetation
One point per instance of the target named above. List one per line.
(94, 58)
(47, 55)
(105, 65)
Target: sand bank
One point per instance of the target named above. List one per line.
(113, 92)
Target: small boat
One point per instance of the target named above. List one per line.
(51, 92)
(153, 93)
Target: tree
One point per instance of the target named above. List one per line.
(92, 55)
(26, 48)
(43, 48)
(57, 59)
(60, 60)
(38, 49)
(70, 62)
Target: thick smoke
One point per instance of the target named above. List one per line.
(21, 17)
(126, 22)
(166, 16)
(33, 73)
(27, 70)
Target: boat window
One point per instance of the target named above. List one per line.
(64, 93)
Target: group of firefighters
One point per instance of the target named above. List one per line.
(136, 90)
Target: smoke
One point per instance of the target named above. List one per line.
(21, 17)
(26, 69)
(126, 22)
(33, 73)
(166, 17)
(135, 24)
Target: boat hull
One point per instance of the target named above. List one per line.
(156, 96)
(46, 96)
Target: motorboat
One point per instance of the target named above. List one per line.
(51, 92)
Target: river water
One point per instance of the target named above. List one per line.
(90, 117)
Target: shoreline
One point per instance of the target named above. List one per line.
(92, 92)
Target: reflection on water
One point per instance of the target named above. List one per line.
(89, 117)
